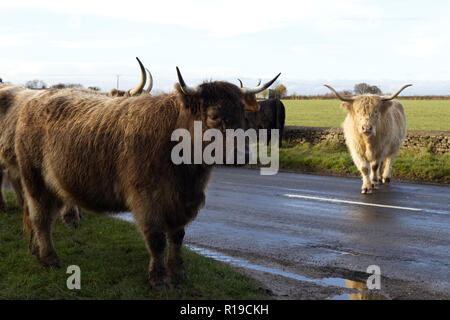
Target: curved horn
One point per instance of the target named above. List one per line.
(396, 94)
(141, 85)
(150, 82)
(260, 87)
(259, 82)
(338, 95)
(186, 90)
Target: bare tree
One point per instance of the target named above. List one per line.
(35, 84)
(363, 88)
(279, 91)
(66, 85)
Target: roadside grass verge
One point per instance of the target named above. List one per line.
(334, 158)
(420, 114)
(113, 260)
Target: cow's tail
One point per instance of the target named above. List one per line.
(281, 118)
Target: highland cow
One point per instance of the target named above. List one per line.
(8, 119)
(12, 99)
(270, 114)
(113, 155)
(374, 130)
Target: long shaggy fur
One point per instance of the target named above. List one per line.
(107, 154)
(374, 153)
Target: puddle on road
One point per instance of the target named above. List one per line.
(362, 294)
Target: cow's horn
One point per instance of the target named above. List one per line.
(150, 81)
(186, 90)
(260, 87)
(396, 94)
(259, 82)
(338, 95)
(141, 85)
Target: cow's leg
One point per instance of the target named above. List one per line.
(380, 172)
(41, 218)
(364, 167)
(71, 216)
(40, 212)
(387, 170)
(374, 165)
(14, 179)
(175, 260)
(149, 216)
(156, 242)
(2, 201)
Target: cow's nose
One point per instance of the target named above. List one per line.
(367, 128)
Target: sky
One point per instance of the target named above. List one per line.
(385, 43)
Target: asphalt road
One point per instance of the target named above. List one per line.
(321, 227)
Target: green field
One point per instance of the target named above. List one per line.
(418, 165)
(421, 114)
(114, 265)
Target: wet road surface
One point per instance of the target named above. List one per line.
(316, 229)
(321, 226)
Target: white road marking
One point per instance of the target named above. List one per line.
(350, 202)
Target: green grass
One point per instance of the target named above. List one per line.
(334, 158)
(113, 261)
(420, 114)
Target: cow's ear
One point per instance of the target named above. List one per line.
(347, 106)
(385, 105)
(190, 101)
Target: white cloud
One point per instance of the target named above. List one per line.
(220, 18)
(97, 44)
(423, 46)
(14, 40)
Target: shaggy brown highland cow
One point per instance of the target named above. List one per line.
(12, 99)
(8, 118)
(113, 155)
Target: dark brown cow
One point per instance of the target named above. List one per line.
(113, 155)
(270, 114)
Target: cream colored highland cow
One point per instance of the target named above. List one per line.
(374, 130)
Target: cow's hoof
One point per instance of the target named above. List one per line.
(158, 280)
(71, 222)
(71, 218)
(386, 180)
(51, 261)
(178, 276)
(33, 247)
(366, 190)
(375, 186)
(160, 284)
